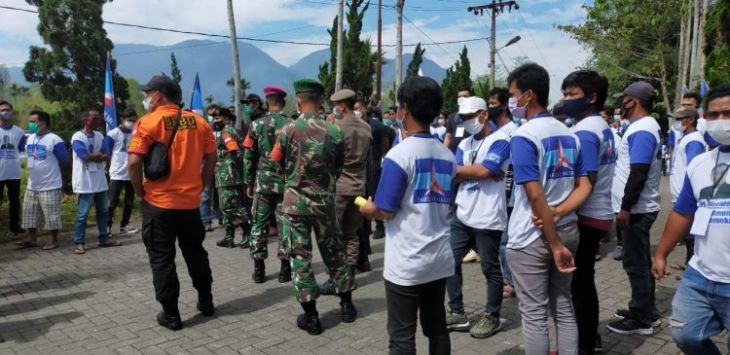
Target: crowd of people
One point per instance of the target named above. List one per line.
(529, 193)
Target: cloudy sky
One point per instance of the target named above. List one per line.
(307, 20)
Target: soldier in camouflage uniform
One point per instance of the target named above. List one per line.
(264, 180)
(228, 176)
(312, 153)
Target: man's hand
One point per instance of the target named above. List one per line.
(368, 209)
(556, 217)
(331, 118)
(623, 220)
(563, 258)
(249, 190)
(659, 268)
(498, 177)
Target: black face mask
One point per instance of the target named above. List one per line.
(494, 112)
(626, 110)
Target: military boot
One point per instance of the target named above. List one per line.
(309, 320)
(285, 272)
(246, 230)
(227, 241)
(259, 271)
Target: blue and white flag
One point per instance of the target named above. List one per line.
(110, 105)
(196, 102)
(704, 88)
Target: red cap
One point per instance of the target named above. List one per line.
(274, 90)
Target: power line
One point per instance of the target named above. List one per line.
(427, 36)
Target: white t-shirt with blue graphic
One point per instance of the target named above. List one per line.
(12, 142)
(598, 152)
(481, 204)
(117, 141)
(88, 176)
(689, 147)
(707, 186)
(44, 154)
(544, 150)
(415, 185)
(639, 145)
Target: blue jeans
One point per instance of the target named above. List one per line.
(503, 259)
(637, 264)
(99, 199)
(700, 310)
(464, 238)
(208, 207)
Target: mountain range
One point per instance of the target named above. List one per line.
(212, 61)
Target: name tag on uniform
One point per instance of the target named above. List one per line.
(459, 131)
(701, 222)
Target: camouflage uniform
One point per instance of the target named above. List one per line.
(228, 176)
(269, 179)
(312, 153)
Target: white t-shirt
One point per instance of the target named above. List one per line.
(689, 147)
(44, 154)
(88, 176)
(543, 149)
(415, 185)
(598, 151)
(481, 204)
(12, 142)
(713, 248)
(438, 132)
(639, 145)
(117, 141)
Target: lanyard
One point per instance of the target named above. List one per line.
(475, 152)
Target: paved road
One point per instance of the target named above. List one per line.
(103, 303)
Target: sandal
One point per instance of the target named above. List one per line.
(49, 246)
(110, 243)
(26, 244)
(679, 267)
(79, 250)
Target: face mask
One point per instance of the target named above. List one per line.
(617, 117)
(495, 112)
(338, 116)
(388, 122)
(441, 122)
(146, 103)
(128, 125)
(473, 126)
(576, 107)
(460, 100)
(210, 119)
(248, 110)
(6, 115)
(358, 114)
(32, 127)
(516, 111)
(719, 130)
(677, 126)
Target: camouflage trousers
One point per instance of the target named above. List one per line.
(230, 205)
(349, 221)
(265, 207)
(296, 231)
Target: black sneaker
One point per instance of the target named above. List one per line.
(598, 344)
(363, 266)
(310, 323)
(327, 288)
(348, 312)
(630, 326)
(170, 322)
(206, 307)
(625, 313)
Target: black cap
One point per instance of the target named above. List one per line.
(251, 97)
(640, 90)
(165, 85)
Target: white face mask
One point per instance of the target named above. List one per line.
(146, 103)
(617, 117)
(677, 126)
(460, 100)
(473, 126)
(128, 125)
(441, 122)
(358, 114)
(719, 130)
(517, 111)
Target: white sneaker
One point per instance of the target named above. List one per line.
(471, 257)
(128, 230)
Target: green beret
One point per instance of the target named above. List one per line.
(308, 85)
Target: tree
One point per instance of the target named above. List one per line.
(359, 60)
(458, 77)
(175, 73)
(245, 85)
(415, 65)
(717, 44)
(16, 90)
(209, 100)
(4, 77)
(70, 67)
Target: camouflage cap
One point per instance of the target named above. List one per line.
(308, 85)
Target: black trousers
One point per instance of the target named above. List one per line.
(160, 229)
(115, 190)
(583, 287)
(364, 236)
(404, 304)
(13, 199)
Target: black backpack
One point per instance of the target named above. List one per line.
(157, 160)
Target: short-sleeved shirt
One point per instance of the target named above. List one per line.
(492, 152)
(229, 164)
(598, 152)
(455, 127)
(45, 153)
(357, 141)
(415, 185)
(194, 140)
(700, 191)
(88, 176)
(258, 166)
(543, 150)
(639, 145)
(688, 147)
(312, 152)
(12, 142)
(117, 141)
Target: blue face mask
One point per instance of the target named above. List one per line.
(576, 107)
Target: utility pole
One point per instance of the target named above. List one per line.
(495, 8)
(379, 64)
(694, 60)
(245, 121)
(399, 45)
(340, 44)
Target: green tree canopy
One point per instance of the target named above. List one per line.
(175, 73)
(458, 77)
(717, 44)
(415, 65)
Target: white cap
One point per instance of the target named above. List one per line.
(471, 105)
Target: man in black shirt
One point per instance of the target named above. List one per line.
(455, 125)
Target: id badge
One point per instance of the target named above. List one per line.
(459, 131)
(701, 224)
